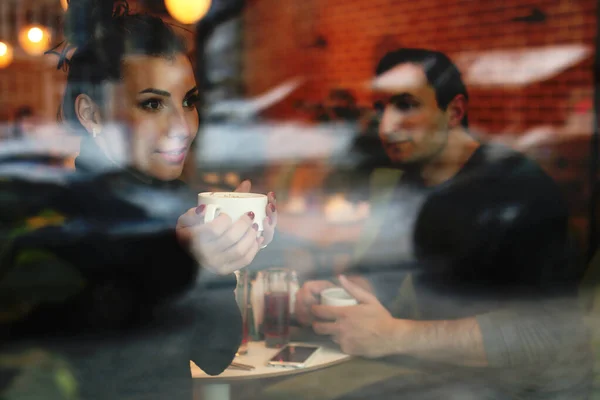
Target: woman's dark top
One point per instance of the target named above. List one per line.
(92, 275)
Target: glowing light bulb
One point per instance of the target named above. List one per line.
(188, 11)
(34, 39)
(6, 54)
(35, 35)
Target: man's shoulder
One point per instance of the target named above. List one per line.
(495, 165)
(502, 161)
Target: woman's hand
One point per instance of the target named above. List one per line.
(224, 246)
(270, 222)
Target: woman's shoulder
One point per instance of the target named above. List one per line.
(132, 195)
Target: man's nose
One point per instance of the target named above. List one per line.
(391, 121)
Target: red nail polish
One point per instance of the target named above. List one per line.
(273, 208)
(255, 226)
(251, 215)
(200, 208)
(273, 195)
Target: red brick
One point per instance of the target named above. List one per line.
(354, 29)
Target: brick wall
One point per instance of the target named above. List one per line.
(278, 35)
(31, 82)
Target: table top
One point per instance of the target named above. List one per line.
(258, 355)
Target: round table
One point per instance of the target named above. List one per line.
(218, 387)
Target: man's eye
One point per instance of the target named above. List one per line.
(379, 106)
(151, 104)
(402, 103)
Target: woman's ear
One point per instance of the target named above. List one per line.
(88, 114)
(457, 109)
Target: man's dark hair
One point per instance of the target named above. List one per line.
(441, 73)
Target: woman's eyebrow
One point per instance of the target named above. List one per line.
(191, 91)
(156, 91)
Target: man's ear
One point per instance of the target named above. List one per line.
(88, 113)
(457, 109)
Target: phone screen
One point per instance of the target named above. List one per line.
(294, 354)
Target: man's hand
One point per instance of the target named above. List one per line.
(366, 329)
(306, 297)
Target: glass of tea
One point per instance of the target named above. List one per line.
(242, 296)
(276, 323)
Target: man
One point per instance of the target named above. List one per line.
(469, 265)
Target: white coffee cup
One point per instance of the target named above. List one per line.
(338, 297)
(235, 205)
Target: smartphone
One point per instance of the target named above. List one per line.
(294, 356)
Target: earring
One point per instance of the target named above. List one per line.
(96, 132)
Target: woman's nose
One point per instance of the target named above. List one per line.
(179, 125)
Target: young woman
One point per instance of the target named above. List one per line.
(130, 285)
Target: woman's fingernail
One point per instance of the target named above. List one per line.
(272, 194)
(200, 209)
(251, 215)
(273, 208)
(255, 227)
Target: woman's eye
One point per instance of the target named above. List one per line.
(191, 102)
(152, 104)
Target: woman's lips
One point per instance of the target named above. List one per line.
(176, 156)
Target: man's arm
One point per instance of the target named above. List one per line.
(524, 334)
(369, 330)
(452, 341)
(521, 333)
(455, 341)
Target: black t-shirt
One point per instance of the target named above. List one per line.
(496, 231)
(490, 244)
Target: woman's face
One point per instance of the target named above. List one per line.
(156, 102)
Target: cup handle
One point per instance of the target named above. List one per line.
(211, 212)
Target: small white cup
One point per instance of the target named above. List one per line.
(235, 205)
(337, 297)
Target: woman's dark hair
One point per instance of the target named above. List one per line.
(102, 33)
(441, 73)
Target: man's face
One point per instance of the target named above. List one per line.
(413, 129)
